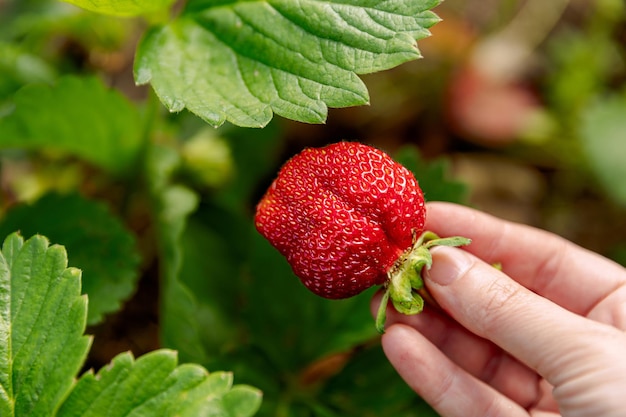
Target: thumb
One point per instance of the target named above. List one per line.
(538, 332)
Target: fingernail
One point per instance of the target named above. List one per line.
(448, 265)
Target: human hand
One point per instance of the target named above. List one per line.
(544, 337)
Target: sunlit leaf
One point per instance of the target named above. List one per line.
(122, 7)
(242, 61)
(155, 386)
(42, 320)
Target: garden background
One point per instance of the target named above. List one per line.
(517, 108)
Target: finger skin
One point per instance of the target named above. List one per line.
(491, 305)
(540, 261)
(446, 387)
(543, 326)
(574, 354)
(476, 355)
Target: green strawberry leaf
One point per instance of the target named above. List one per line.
(154, 386)
(179, 327)
(97, 241)
(357, 390)
(123, 7)
(210, 272)
(344, 323)
(42, 320)
(242, 61)
(255, 153)
(602, 133)
(105, 129)
(433, 176)
(204, 260)
(274, 321)
(19, 67)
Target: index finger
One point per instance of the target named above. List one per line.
(547, 264)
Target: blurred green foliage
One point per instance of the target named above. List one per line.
(98, 243)
(131, 181)
(44, 346)
(77, 116)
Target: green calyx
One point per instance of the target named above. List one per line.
(405, 285)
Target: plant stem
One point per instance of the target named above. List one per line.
(381, 315)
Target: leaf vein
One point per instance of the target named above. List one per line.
(337, 85)
(275, 40)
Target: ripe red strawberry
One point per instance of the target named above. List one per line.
(348, 217)
(342, 215)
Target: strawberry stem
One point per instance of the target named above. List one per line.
(381, 316)
(405, 285)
